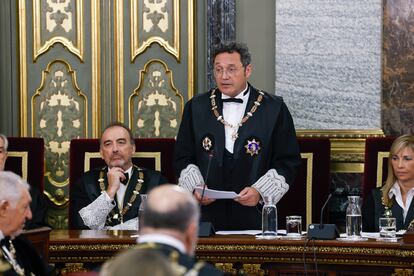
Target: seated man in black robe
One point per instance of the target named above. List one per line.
(17, 255)
(38, 204)
(109, 197)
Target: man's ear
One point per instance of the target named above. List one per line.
(191, 235)
(100, 152)
(4, 205)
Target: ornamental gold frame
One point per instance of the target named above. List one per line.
(309, 173)
(347, 146)
(74, 85)
(33, 102)
(39, 49)
(96, 64)
(141, 82)
(24, 155)
(142, 154)
(137, 49)
(380, 160)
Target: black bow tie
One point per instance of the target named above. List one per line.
(125, 181)
(232, 100)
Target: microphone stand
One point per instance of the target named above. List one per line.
(206, 228)
(210, 157)
(322, 231)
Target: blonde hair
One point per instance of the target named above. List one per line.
(399, 144)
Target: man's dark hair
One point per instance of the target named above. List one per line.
(178, 218)
(119, 124)
(231, 47)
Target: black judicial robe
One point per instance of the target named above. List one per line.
(39, 208)
(180, 262)
(271, 126)
(27, 257)
(87, 189)
(373, 209)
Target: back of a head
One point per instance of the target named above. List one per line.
(170, 207)
(11, 186)
(138, 262)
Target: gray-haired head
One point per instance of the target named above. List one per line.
(11, 186)
(5, 141)
(231, 47)
(170, 207)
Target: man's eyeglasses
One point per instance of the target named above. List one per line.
(231, 71)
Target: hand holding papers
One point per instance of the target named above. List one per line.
(216, 194)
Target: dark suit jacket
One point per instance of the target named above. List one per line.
(87, 189)
(271, 125)
(373, 209)
(27, 257)
(179, 259)
(38, 206)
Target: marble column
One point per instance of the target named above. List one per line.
(398, 67)
(221, 26)
(328, 62)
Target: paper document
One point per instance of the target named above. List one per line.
(239, 232)
(216, 194)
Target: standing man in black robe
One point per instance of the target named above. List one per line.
(243, 136)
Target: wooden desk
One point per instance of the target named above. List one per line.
(39, 237)
(75, 250)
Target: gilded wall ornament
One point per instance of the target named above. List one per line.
(156, 105)
(59, 114)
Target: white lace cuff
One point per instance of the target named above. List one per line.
(131, 224)
(94, 215)
(190, 177)
(272, 184)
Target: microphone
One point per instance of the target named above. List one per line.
(323, 209)
(322, 231)
(206, 228)
(210, 157)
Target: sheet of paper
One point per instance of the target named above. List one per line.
(239, 232)
(216, 194)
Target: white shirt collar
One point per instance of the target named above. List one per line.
(163, 239)
(1, 235)
(396, 191)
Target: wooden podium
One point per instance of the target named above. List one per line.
(408, 237)
(72, 250)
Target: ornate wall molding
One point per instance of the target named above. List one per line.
(59, 114)
(158, 23)
(156, 105)
(58, 22)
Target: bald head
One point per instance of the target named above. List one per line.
(170, 207)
